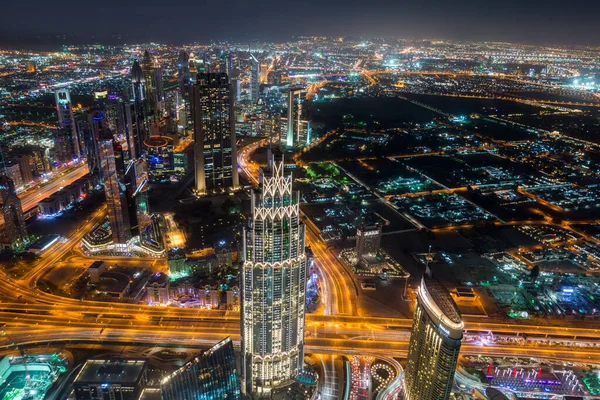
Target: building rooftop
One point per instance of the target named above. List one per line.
(150, 394)
(441, 297)
(112, 371)
(44, 243)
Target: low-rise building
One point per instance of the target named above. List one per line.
(101, 379)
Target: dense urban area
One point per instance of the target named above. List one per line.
(325, 218)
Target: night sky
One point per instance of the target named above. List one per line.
(29, 22)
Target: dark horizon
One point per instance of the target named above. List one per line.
(42, 23)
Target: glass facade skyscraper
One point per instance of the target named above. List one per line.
(12, 226)
(214, 134)
(254, 79)
(211, 375)
(273, 284)
(435, 342)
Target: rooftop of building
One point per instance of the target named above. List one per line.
(44, 242)
(113, 282)
(159, 278)
(96, 264)
(441, 297)
(150, 394)
(129, 371)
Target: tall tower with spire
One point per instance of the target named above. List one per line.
(150, 85)
(273, 284)
(137, 82)
(254, 78)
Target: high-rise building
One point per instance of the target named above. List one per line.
(93, 129)
(138, 83)
(70, 141)
(435, 341)
(13, 171)
(183, 72)
(13, 230)
(158, 81)
(254, 79)
(118, 212)
(215, 151)
(211, 375)
(138, 113)
(121, 208)
(236, 88)
(368, 240)
(264, 72)
(273, 284)
(110, 379)
(149, 68)
(134, 129)
(297, 126)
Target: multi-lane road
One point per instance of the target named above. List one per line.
(22, 300)
(31, 197)
(42, 333)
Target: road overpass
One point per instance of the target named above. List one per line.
(31, 197)
(320, 345)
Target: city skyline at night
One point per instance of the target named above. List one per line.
(357, 216)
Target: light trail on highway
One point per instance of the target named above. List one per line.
(30, 198)
(325, 345)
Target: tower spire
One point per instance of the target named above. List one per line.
(427, 260)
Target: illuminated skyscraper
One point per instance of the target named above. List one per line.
(134, 129)
(149, 68)
(138, 113)
(435, 341)
(254, 79)
(120, 181)
(116, 201)
(68, 136)
(211, 375)
(264, 72)
(215, 151)
(12, 228)
(297, 127)
(273, 284)
(93, 130)
(137, 82)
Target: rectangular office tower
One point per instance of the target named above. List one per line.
(297, 132)
(211, 375)
(435, 341)
(368, 240)
(215, 151)
(273, 284)
(110, 379)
